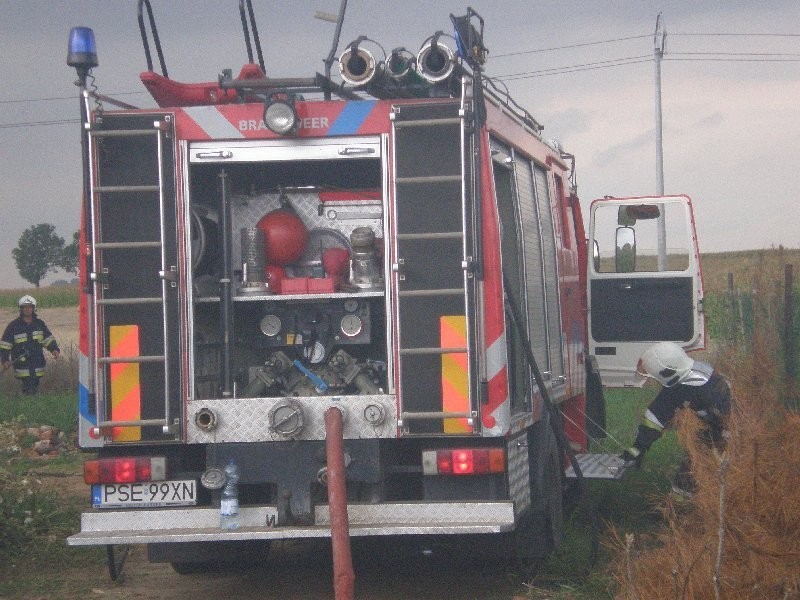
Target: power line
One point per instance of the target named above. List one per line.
(758, 60)
(40, 123)
(622, 39)
(633, 60)
(636, 37)
(574, 70)
(512, 76)
(736, 53)
(74, 97)
(739, 34)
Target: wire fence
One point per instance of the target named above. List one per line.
(736, 317)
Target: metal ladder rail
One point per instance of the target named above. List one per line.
(164, 274)
(471, 416)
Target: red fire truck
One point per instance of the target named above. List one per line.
(398, 242)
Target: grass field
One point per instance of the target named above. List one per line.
(625, 506)
(46, 297)
(745, 266)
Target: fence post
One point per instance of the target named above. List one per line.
(737, 331)
(788, 316)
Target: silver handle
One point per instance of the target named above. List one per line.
(215, 154)
(351, 151)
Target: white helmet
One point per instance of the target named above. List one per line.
(27, 300)
(665, 362)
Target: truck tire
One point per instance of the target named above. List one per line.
(203, 557)
(595, 401)
(540, 530)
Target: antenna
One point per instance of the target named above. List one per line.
(332, 54)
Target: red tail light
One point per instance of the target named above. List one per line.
(463, 461)
(126, 469)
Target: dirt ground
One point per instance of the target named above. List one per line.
(453, 568)
(386, 569)
(303, 571)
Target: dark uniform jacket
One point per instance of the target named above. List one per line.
(23, 343)
(706, 392)
(711, 401)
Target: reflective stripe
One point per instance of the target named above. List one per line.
(6, 346)
(47, 341)
(38, 335)
(22, 373)
(496, 357)
(212, 122)
(20, 338)
(455, 381)
(651, 421)
(125, 380)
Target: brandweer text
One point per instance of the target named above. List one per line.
(305, 123)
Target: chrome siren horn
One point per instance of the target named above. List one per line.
(399, 63)
(357, 66)
(435, 61)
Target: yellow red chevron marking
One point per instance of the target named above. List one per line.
(126, 398)
(455, 375)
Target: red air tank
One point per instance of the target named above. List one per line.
(285, 234)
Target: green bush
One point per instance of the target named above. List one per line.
(27, 511)
(59, 409)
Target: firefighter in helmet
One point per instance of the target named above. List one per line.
(23, 343)
(686, 383)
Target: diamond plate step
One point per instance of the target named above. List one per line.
(598, 466)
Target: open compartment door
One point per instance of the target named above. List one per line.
(644, 282)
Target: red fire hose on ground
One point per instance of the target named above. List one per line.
(343, 574)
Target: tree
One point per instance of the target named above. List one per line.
(69, 255)
(39, 251)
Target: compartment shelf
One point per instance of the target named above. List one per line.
(279, 297)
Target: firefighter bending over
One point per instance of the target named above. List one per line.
(23, 344)
(686, 383)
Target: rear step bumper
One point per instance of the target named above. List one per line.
(598, 466)
(259, 523)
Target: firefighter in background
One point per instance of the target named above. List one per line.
(686, 383)
(23, 344)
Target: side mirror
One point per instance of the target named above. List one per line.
(628, 215)
(625, 255)
(596, 256)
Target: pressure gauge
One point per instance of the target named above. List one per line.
(315, 354)
(351, 305)
(351, 325)
(271, 325)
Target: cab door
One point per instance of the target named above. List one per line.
(644, 282)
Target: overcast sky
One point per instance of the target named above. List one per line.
(731, 123)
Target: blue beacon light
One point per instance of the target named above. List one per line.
(82, 52)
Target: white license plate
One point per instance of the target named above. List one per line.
(148, 494)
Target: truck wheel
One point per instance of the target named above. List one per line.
(192, 568)
(208, 557)
(539, 532)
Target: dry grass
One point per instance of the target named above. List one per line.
(746, 267)
(740, 535)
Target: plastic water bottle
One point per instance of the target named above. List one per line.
(229, 506)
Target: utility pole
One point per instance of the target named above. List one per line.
(659, 47)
